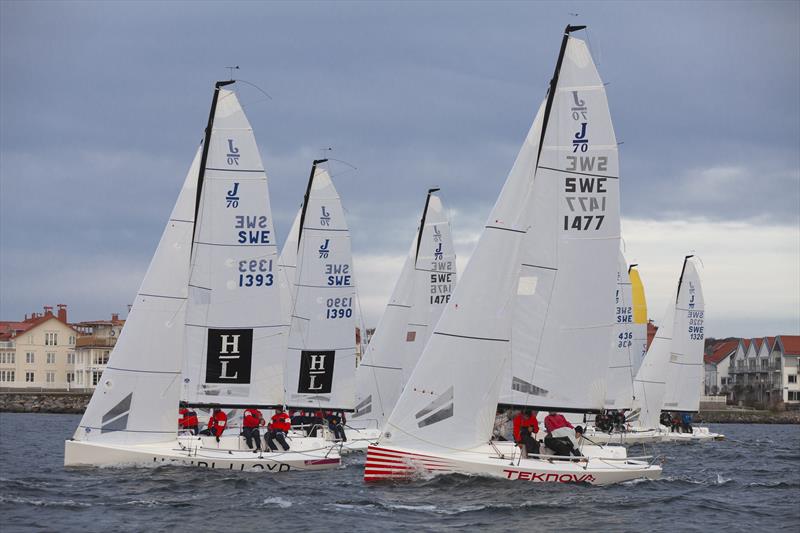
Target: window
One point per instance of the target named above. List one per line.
(792, 378)
(30, 339)
(80, 378)
(51, 339)
(29, 358)
(764, 364)
(51, 377)
(72, 339)
(70, 377)
(6, 375)
(80, 358)
(30, 377)
(96, 377)
(51, 358)
(794, 396)
(7, 357)
(101, 358)
(70, 358)
(723, 381)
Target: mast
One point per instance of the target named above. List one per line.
(680, 280)
(422, 221)
(551, 91)
(204, 157)
(305, 198)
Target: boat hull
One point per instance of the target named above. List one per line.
(698, 434)
(397, 464)
(83, 453)
(626, 438)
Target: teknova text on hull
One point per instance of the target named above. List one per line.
(559, 478)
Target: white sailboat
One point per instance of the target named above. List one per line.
(321, 363)
(548, 259)
(208, 310)
(423, 289)
(684, 375)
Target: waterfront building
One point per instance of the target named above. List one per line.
(764, 371)
(717, 360)
(96, 339)
(37, 353)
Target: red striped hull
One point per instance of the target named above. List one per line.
(385, 464)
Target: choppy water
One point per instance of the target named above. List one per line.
(751, 480)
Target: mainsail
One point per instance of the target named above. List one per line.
(619, 388)
(685, 369)
(136, 399)
(563, 322)
(320, 366)
(234, 324)
(423, 289)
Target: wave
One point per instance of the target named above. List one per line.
(280, 502)
(43, 503)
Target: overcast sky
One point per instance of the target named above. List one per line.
(102, 106)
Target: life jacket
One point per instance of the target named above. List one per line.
(556, 421)
(281, 422)
(252, 418)
(217, 423)
(182, 417)
(521, 421)
(189, 419)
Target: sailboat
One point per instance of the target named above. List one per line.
(423, 289)
(320, 365)
(684, 372)
(548, 258)
(205, 324)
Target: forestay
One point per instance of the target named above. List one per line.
(685, 369)
(136, 400)
(423, 289)
(320, 367)
(235, 343)
(563, 323)
(619, 389)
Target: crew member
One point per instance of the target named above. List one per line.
(665, 419)
(278, 428)
(188, 419)
(253, 419)
(561, 437)
(525, 428)
(336, 423)
(216, 424)
(686, 423)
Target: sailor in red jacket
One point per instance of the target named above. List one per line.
(278, 428)
(216, 424)
(525, 429)
(253, 419)
(188, 419)
(560, 435)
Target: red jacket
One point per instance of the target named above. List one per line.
(217, 423)
(281, 422)
(188, 418)
(553, 422)
(520, 421)
(252, 418)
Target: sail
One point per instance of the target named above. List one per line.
(464, 358)
(234, 323)
(423, 289)
(564, 319)
(619, 380)
(685, 369)
(136, 400)
(639, 328)
(320, 365)
(287, 267)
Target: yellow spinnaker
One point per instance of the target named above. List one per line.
(639, 301)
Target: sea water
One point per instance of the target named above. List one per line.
(750, 481)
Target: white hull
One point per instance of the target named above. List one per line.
(698, 434)
(387, 464)
(358, 440)
(625, 438)
(204, 452)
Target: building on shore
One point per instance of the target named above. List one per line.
(765, 372)
(44, 352)
(96, 339)
(717, 359)
(37, 353)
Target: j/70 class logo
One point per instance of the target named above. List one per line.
(233, 154)
(325, 218)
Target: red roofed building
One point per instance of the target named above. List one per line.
(765, 371)
(717, 361)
